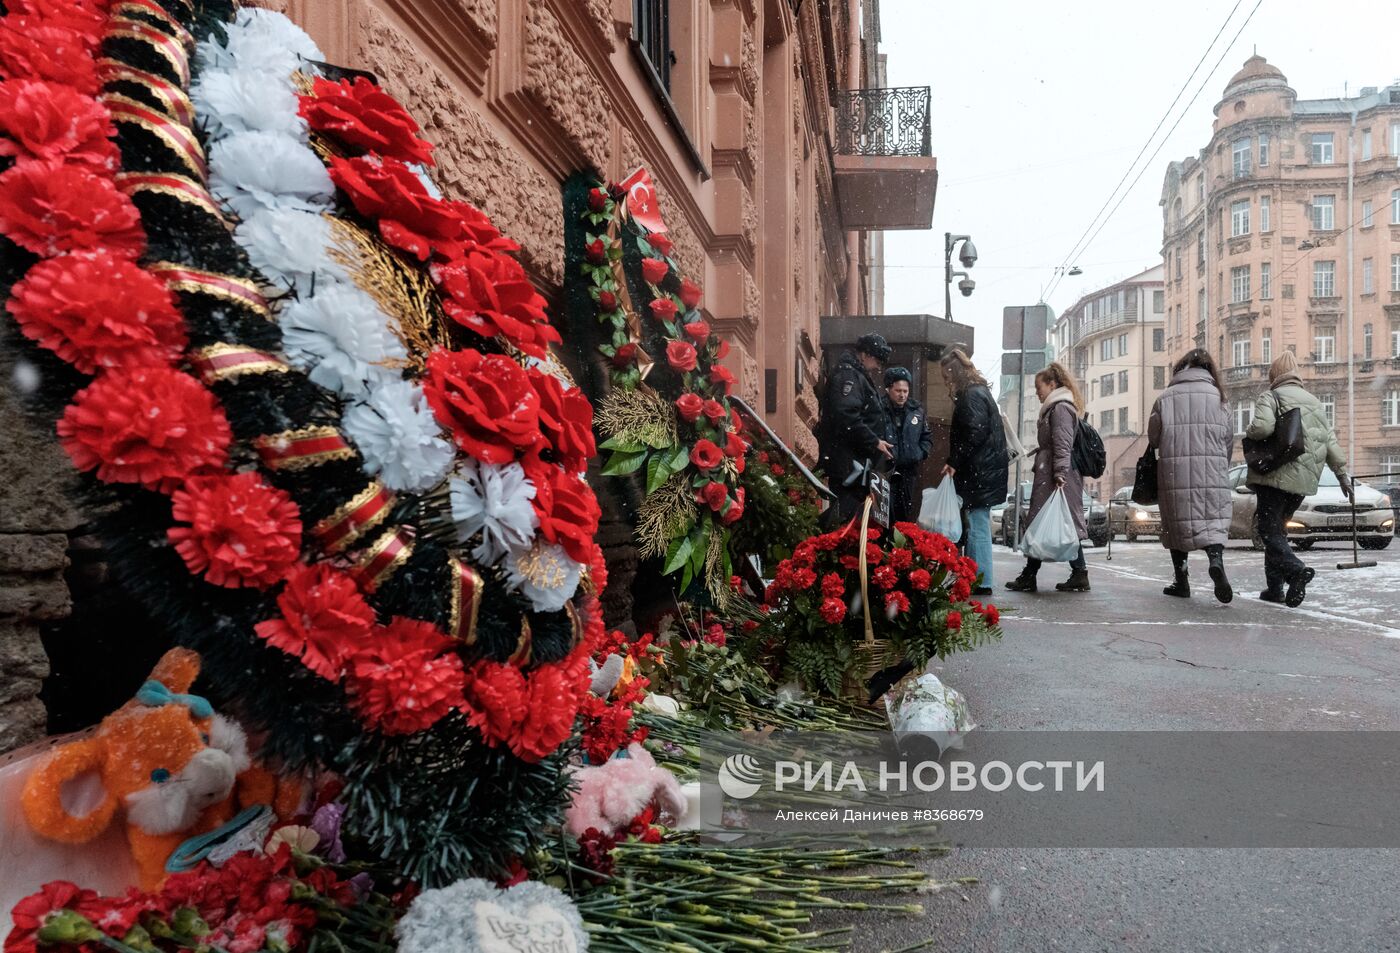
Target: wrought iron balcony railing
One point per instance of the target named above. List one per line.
(883, 122)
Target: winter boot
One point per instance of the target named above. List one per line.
(1078, 581)
(1223, 592)
(1023, 583)
(1298, 587)
(1181, 585)
(1272, 595)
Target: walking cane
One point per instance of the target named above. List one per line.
(1356, 562)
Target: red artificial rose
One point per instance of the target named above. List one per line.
(607, 301)
(324, 619)
(689, 406)
(698, 331)
(680, 355)
(597, 200)
(954, 621)
(358, 114)
(625, 355)
(920, 580)
(833, 611)
(409, 218)
(235, 529)
(713, 494)
(31, 48)
(778, 470)
(722, 351)
(566, 420)
(705, 455)
(486, 401)
(51, 207)
(96, 311)
(488, 292)
(654, 270)
(735, 446)
(405, 678)
(567, 509)
(150, 425)
(660, 244)
(736, 508)
(714, 411)
(690, 294)
(663, 309)
(478, 231)
(721, 378)
(52, 121)
(595, 251)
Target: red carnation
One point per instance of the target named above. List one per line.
(680, 355)
(778, 470)
(31, 48)
(663, 309)
(595, 251)
(34, 912)
(607, 301)
(87, 18)
(489, 293)
(661, 244)
(705, 455)
(690, 294)
(713, 494)
(885, 577)
(901, 558)
(567, 509)
(833, 586)
(896, 602)
(920, 580)
(736, 508)
(240, 532)
(150, 425)
(597, 200)
(689, 406)
(486, 401)
(51, 207)
(625, 355)
(409, 218)
(654, 270)
(531, 714)
(991, 613)
(362, 116)
(954, 621)
(698, 331)
(833, 611)
(53, 121)
(566, 420)
(404, 678)
(324, 619)
(96, 311)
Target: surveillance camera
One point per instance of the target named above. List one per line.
(966, 286)
(968, 254)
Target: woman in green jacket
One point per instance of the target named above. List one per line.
(1281, 492)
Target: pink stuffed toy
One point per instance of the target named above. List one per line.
(610, 795)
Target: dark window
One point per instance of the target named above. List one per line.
(651, 24)
(1159, 377)
(1159, 342)
(1122, 420)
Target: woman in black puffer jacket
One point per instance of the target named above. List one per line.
(977, 457)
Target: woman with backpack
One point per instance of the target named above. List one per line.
(1280, 491)
(977, 457)
(1190, 428)
(1061, 406)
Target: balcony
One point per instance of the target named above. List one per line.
(883, 164)
(1243, 373)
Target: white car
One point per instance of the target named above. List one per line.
(1131, 519)
(1325, 516)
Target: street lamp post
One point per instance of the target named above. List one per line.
(968, 257)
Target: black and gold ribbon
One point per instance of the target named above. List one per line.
(179, 187)
(226, 362)
(382, 558)
(175, 102)
(357, 517)
(302, 449)
(467, 586)
(224, 287)
(167, 47)
(177, 138)
(141, 12)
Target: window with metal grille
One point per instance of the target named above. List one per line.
(651, 25)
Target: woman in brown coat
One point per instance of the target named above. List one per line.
(1061, 405)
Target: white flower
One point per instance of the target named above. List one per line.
(341, 337)
(244, 100)
(544, 574)
(261, 40)
(253, 170)
(399, 438)
(493, 500)
(476, 916)
(288, 246)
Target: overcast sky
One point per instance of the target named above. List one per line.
(1038, 109)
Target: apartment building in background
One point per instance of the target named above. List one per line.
(1283, 233)
(1114, 342)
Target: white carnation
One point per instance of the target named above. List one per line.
(255, 170)
(399, 438)
(244, 100)
(261, 40)
(493, 500)
(342, 338)
(289, 246)
(544, 574)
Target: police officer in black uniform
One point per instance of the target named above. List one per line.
(853, 427)
(909, 439)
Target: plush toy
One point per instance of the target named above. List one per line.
(610, 795)
(164, 757)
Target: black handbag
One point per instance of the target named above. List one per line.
(1282, 446)
(1145, 479)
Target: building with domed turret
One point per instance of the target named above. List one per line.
(1283, 233)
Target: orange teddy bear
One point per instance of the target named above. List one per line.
(164, 756)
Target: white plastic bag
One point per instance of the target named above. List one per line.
(941, 510)
(926, 716)
(1052, 536)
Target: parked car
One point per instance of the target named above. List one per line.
(1003, 515)
(1323, 517)
(1392, 490)
(1130, 519)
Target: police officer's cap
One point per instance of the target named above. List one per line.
(895, 374)
(875, 345)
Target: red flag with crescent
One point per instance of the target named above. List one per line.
(641, 200)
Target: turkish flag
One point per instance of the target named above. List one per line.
(641, 200)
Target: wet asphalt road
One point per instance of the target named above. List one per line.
(1126, 657)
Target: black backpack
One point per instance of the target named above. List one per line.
(1088, 456)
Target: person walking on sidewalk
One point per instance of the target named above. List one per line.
(909, 440)
(1281, 492)
(1061, 405)
(977, 457)
(1190, 428)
